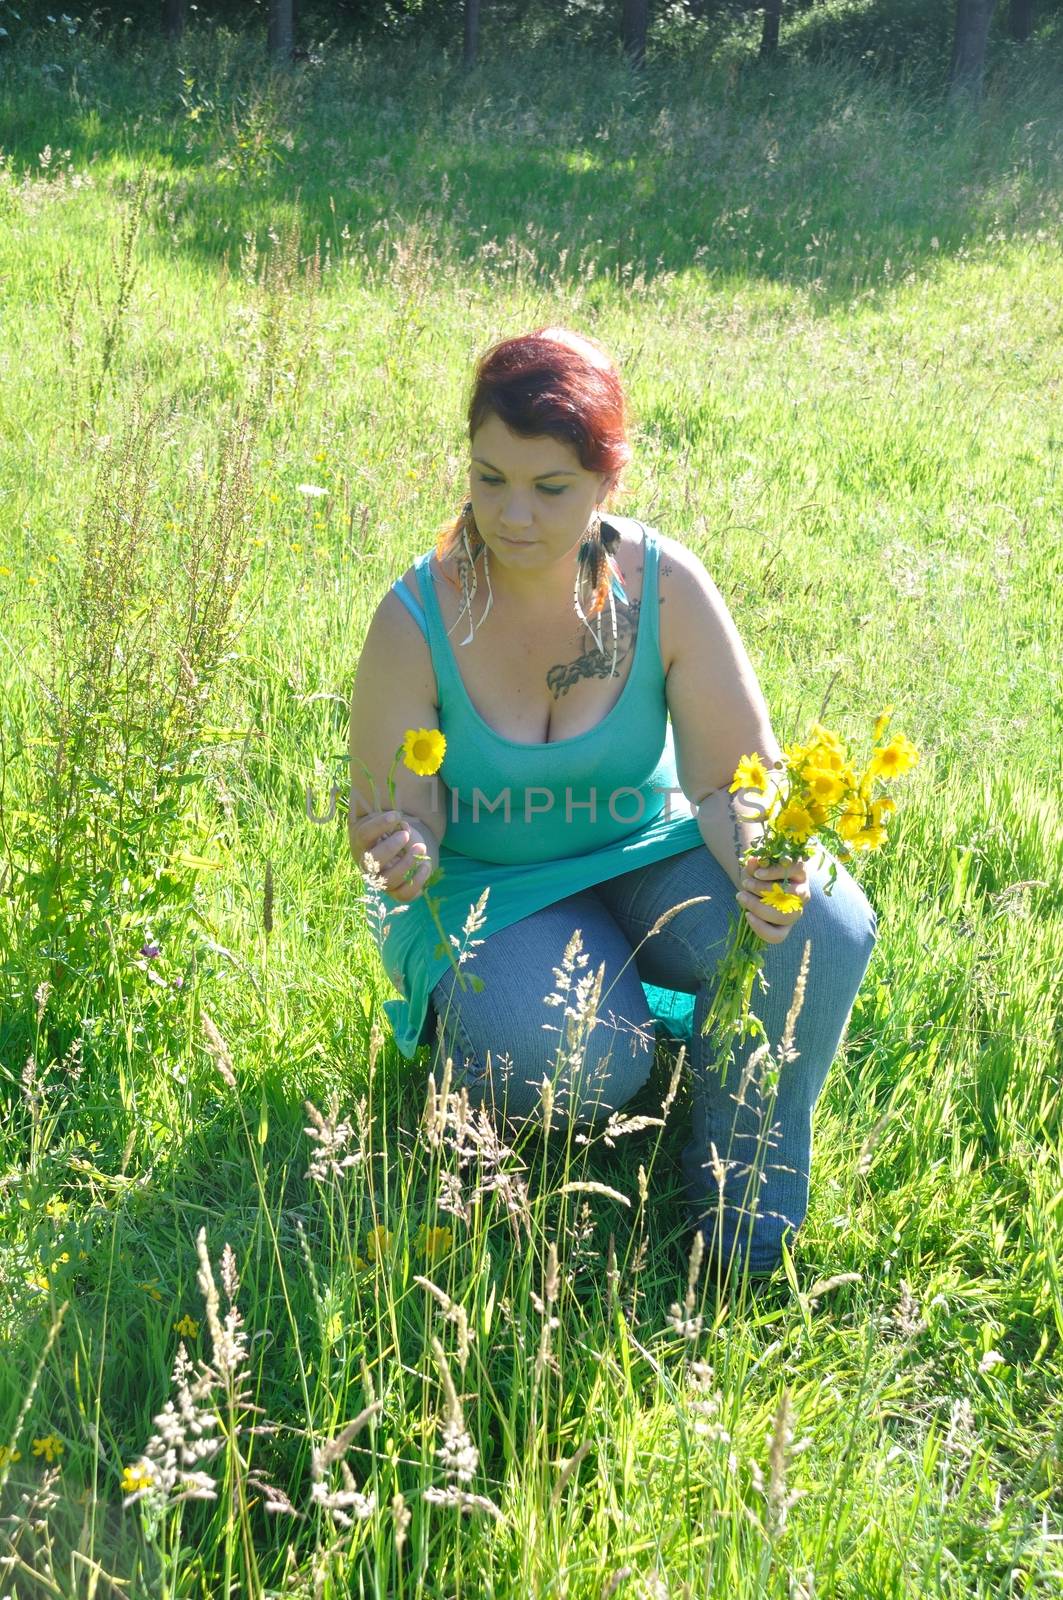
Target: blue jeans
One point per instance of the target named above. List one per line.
(505, 1039)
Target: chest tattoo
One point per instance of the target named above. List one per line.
(595, 663)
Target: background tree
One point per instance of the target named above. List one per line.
(472, 32)
(174, 16)
(281, 30)
(769, 38)
(1020, 20)
(634, 25)
(968, 47)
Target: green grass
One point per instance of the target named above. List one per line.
(836, 311)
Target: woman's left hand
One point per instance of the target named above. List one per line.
(765, 920)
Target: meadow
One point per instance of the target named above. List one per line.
(240, 312)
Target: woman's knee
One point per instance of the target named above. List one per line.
(840, 918)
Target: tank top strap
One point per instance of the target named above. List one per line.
(649, 608)
(448, 678)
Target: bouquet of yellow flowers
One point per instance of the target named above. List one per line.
(820, 797)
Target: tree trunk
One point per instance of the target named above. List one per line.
(281, 30)
(769, 38)
(968, 48)
(634, 25)
(472, 32)
(174, 15)
(1020, 20)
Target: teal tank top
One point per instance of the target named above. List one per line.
(534, 823)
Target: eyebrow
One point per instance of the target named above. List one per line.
(562, 472)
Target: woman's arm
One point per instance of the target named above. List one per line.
(718, 710)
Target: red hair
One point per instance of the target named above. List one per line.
(562, 384)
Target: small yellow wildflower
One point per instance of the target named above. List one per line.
(320, 550)
(32, 581)
(50, 1447)
(5, 572)
(295, 547)
(781, 898)
(321, 456)
(151, 1288)
(187, 1326)
(378, 1242)
(423, 750)
(434, 1241)
(8, 1455)
(880, 724)
(258, 543)
(37, 1280)
(57, 1207)
(136, 1478)
(795, 821)
(824, 786)
(893, 759)
(54, 559)
(750, 773)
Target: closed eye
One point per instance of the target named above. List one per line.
(545, 488)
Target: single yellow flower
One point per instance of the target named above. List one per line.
(870, 839)
(434, 1241)
(819, 735)
(37, 1280)
(750, 773)
(296, 547)
(56, 1207)
(423, 750)
(795, 822)
(825, 787)
(151, 1288)
(187, 1326)
(7, 1455)
(894, 759)
(781, 898)
(851, 821)
(5, 572)
(378, 1241)
(50, 1447)
(136, 1478)
(880, 724)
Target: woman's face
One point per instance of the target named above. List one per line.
(531, 498)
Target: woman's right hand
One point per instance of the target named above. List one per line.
(398, 852)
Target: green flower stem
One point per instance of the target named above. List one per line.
(730, 1019)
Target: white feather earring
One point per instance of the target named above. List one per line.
(469, 595)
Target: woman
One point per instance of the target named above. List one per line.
(550, 642)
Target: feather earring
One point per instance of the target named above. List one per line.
(592, 548)
(469, 566)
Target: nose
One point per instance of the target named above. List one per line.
(516, 514)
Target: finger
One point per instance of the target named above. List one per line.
(391, 849)
(372, 830)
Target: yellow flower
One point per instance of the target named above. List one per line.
(56, 1207)
(820, 735)
(434, 1241)
(794, 821)
(880, 724)
(852, 819)
(894, 759)
(188, 1326)
(321, 456)
(750, 773)
(258, 543)
(423, 750)
(870, 839)
(7, 1455)
(295, 547)
(781, 898)
(136, 1478)
(37, 1280)
(378, 1241)
(825, 787)
(50, 1447)
(5, 572)
(151, 1288)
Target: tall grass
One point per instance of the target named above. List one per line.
(366, 1341)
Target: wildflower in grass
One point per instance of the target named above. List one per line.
(8, 1454)
(296, 547)
(57, 1208)
(137, 1477)
(378, 1243)
(50, 1447)
(152, 1289)
(188, 1327)
(5, 572)
(38, 1280)
(433, 1241)
(821, 796)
